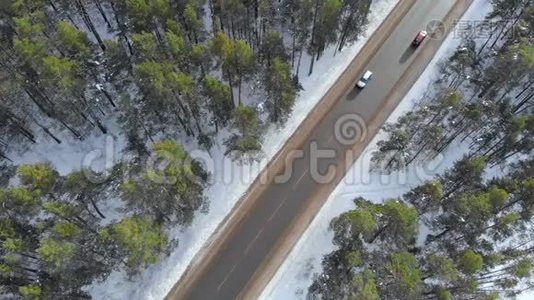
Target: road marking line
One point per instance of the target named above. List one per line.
(252, 242)
(277, 209)
(300, 178)
(226, 278)
(330, 139)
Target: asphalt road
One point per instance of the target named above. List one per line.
(245, 250)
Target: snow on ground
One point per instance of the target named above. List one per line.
(231, 179)
(296, 273)
(97, 151)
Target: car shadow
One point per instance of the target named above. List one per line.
(353, 93)
(407, 53)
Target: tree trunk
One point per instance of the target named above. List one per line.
(181, 121)
(416, 154)
(3, 155)
(239, 90)
(378, 233)
(159, 37)
(523, 102)
(96, 208)
(230, 83)
(89, 23)
(39, 104)
(84, 116)
(56, 10)
(47, 131)
(72, 130)
(485, 43)
(451, 138)
(499, 35)
(510, 29)
(121, 28)
(108, 96)
(25, 132)
(293, 39)
(102, 128)
(232, 28)
(312, 43)
(440, 235)
(19, 126)
(147, 133)
(102, 13)
(345, 30)
(298, 63)
(310, 71)
(524, 89)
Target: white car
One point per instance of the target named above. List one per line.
(365, 78)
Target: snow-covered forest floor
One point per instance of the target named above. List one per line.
(229, 179)
(304, 262)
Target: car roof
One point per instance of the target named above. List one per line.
(367, 74)
(420, 36)
(422, 33)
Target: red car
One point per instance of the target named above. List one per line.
(419, 38)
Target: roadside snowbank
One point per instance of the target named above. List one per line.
(231, 179)
(296, 273)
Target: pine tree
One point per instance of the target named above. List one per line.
(483, 252)
(141, 239)
(246, 139)
(281, 91)
(353, 18)
(219, 99)
(178, 187)
(324, 29)
(236, 58)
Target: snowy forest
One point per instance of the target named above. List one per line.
(165, 71)
(462, 235)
